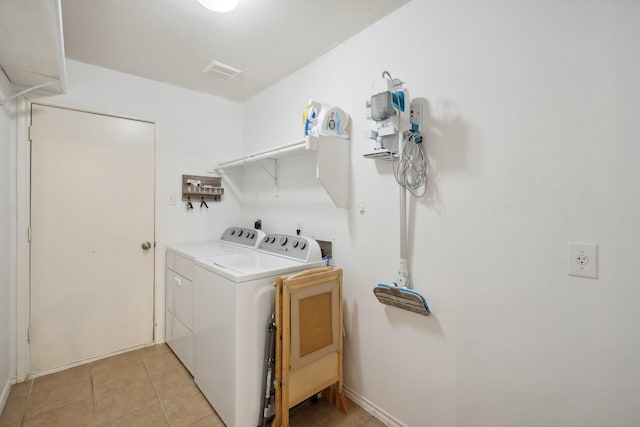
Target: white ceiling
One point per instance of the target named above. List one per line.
(174, 40)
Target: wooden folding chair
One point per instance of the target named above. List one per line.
(309, 328)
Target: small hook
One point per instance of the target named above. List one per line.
(189, 205)
(204, 203)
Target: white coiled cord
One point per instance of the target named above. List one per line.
(410, 169)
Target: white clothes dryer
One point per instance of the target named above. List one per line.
(179, 288)
(234, 297)
(233, 239)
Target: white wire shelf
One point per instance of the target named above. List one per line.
(332, 163)
(272, 153)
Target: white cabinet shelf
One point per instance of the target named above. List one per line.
(32, 47)
(332, 163)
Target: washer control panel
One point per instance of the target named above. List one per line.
(243, 236)
(299, 247)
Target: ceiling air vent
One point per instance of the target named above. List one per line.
(221, 70)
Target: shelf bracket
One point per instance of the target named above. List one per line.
(15, 95)
(271, 168)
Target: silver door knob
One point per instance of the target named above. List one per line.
(146, 246)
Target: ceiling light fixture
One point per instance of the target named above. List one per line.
(220, 6)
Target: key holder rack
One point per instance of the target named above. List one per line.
(201, 189)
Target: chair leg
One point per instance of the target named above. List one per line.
(341, 402)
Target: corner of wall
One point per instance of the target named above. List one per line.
(5, 394)
(372, 408)
(7, 251)
(5, 86)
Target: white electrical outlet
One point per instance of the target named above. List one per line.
(583, 259)
(171, 199)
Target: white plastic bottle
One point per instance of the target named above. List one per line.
(312, 117)
(334, 122)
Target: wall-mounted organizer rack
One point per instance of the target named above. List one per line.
(332, 163)
(196, 188)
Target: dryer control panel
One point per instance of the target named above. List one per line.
(298, 247)
(242, 236)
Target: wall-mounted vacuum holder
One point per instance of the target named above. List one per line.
(200, 189)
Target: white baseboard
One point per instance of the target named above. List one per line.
(373, 409)
(43, 372)
(5, 393)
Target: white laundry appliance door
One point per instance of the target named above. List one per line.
(92, 248)
(215, 342)
(229, 339)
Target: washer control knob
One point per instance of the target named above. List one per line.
(295, 243)
(303, 245)
(233, 232)
(283, 241)
(239, 233)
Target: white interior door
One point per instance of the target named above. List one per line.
(92, 210)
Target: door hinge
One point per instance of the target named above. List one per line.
(29, 334)
(29, 133)
(29, 233)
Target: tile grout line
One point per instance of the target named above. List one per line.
(93, 382)
(200, 419)
(93, 396)
(133, 410)
(155, 390)
(26, 403)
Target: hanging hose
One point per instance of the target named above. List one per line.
(410, 169)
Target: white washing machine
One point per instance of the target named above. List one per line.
(179, 289)
(234, 299)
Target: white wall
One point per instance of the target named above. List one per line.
(7, 219)
(194, 132)
(533, 142)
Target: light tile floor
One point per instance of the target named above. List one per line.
(147, 387)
